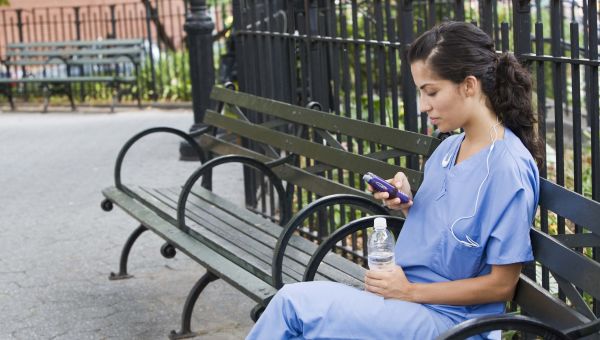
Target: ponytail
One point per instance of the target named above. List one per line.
(511, 100)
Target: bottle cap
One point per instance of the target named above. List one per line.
(380, 223)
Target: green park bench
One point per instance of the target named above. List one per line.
(258, 252)
(57, 65)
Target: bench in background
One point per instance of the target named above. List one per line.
(58, 65)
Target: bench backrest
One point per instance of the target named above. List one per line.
(333, 152)
(571, 270)
(74, 53)
(574, 273)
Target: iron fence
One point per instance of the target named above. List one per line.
(348, 56)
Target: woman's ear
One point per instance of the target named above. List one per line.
(470, 86)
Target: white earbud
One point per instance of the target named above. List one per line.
(446, 159)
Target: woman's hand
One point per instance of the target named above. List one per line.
(401, 183)
(389, 284)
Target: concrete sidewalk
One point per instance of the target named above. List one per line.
(57, 247)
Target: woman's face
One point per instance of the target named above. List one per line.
(441, 99)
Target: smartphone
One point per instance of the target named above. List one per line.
(380, 184)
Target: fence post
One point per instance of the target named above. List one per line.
(20, 31)
(113, 21)
(486, 21)
(154, 95)
(522, 27)
(199, 26)
(409, 93)
(78, 37)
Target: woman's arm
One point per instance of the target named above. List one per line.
(498, 285)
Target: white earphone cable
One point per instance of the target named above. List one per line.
(470, 242)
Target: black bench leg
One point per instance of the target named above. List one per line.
(188, 308)
(257, 311)
(125, 254)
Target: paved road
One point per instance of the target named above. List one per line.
(57, 246)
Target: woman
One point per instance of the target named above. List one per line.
(466, 235)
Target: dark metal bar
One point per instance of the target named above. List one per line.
(541, 102)
(496, 26)
(393, 67)
(380, 54)
(113, 21)
(199, 28)
(164, 76)
(522, 29)
(154, 94)
(504, 33)
(557, 84)
(431, 20)
(19, 13)
(459, 10)
(594, 117)
(486, 17)
(409, 92)
(346, 85)
(357, 72)
(577, 147)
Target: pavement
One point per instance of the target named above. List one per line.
(57, 247)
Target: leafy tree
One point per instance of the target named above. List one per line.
(4, 3)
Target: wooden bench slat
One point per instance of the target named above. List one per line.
(537, 301)
(402, 140)
(578, 240)
(337, 158)
(571, 205)
(289, 173)
(243, 280)
(578, 269)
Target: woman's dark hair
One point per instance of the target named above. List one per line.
(455, 50)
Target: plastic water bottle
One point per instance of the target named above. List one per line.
(381, 247)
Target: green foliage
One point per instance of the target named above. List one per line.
(4, 3)
(172, 71)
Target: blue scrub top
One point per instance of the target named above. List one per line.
(426, 249)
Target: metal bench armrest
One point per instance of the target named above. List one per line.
(296, 221)
(205, 172)
(395, 223)
(476, 326)
(584, 330)
(134, 139)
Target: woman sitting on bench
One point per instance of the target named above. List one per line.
(462, 246)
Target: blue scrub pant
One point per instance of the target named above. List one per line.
(329, 310)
